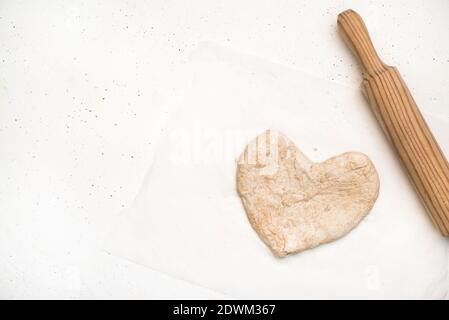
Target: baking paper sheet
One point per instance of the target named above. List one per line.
(188, 221)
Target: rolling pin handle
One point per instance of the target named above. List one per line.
(356, 36)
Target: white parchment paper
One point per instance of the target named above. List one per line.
(188, 221)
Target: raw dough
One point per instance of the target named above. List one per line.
(295, 204)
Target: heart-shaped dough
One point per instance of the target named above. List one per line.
(295, 204)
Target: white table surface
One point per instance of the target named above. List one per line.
(85, 89)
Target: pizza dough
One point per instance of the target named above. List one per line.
(295, 204)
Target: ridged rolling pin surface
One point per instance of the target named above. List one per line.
(402, 122)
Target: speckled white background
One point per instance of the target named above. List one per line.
(85, 90)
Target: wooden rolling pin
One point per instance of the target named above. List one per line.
(402, 122)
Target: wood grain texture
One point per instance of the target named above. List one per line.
(402, 122)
